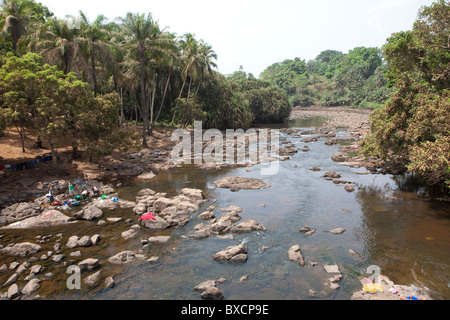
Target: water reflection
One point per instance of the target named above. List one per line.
(407, 237)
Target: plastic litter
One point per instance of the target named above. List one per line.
(147, 216)
(373, 288)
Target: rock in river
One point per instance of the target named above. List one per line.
(122, 257)
(89, 212)
(234, 253)
(295, 254)
(238, 183)
(23, 249)
(247, 226)
(49, 218)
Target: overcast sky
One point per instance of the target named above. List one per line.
(258, 33)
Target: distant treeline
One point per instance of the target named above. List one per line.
(333, 79)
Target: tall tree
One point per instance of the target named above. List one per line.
(144, 39)
(96, 37)
(15, 16)
(59, 42)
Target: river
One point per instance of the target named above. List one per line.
(406, 236)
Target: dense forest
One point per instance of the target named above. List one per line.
(87, 78)
(333, 79)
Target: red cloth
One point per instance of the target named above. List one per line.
(147, 216)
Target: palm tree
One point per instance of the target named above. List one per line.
(58, 43)
(191, 58)
(15, 17)
(96, 36)
(146, 41)
(207, 55)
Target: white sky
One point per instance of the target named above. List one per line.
(258, 33)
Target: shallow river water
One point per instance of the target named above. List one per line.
(404, 235)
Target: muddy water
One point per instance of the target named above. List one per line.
(406, 236)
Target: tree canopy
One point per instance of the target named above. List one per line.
(412, 130)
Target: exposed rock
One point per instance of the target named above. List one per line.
(206, 285)
(315, 169)
(207, 215)
(248, 226)
(239, 251)
(84, 241)
(338, 157)
(231, 208)
(155, 225)
(295, 254)
(109, 282)
(146, 192)
(332, 268)
(58, 258)
(349, 188)
(23, 249)
(93, 279)
(305, 229)
(212, 293)
(50, 218)
(88, 264)
(146, 176)
(19, 211)
(158, 239)
(331, 174)
(123, 257)
(129, 234)
(238, 183)
(337, 231)
(89, 212)
(31, 287)
(13, 292)
(129, 169)
(12, 279)
(72, 242)
(225, 222)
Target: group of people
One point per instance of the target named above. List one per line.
(86, 194)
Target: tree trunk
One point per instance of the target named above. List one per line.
(164, 95)
(94, 73)
(143, 100)
(150, 131)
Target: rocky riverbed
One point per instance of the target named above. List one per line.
(30, 264)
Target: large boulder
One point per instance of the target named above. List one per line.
(248, 226)
(155, 225)
(237, 183)
(129, 170)
(89, 212)
(295, 254)
(19, 211)
(225, 222)
(233, 253)
(122, 257)
(49, 218)
(23, 249)
(88, 264)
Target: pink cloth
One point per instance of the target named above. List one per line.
(147, 216)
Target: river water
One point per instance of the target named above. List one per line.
(406, 236)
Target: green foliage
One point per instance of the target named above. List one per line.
(333, 79)
(54, 103)
(413, 127)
